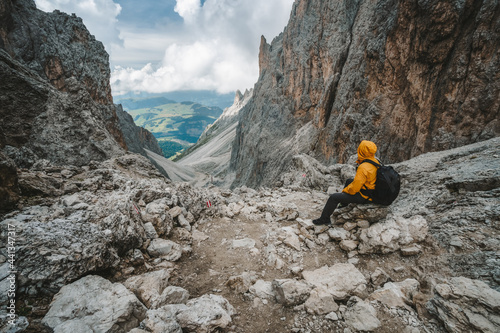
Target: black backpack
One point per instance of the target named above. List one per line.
(386, 186)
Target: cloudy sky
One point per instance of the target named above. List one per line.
(169, 45)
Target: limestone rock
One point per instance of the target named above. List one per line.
(165, 248)
(96, 304)
(361, 315)
(137, 138)
(247, 243)
(348, 245)
(163, 320)
(379, 277)
(156, 214)
(9, 183)
(206, 313)
(149, 287)
(338, 234)
(174, 295)
(241, 283)
(465, 305)
(320, 302)
(59, 251)
(150, 230)
(183, 222)
(291, 292)
(392, 235)
(396, 294)
(340, 280)
(262, 289)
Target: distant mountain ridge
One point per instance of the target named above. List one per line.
(175, 125)
(204, 97)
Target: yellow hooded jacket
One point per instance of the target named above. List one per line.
(366, 174)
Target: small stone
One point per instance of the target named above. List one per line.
(348, 245)
(353, 261)
(150, 230)
(296, 270)
(306, 224)
(410, 251)
(319, 229)
(338, 234)
(165, 248)
(379, 277)
(349, 226)
(363, 224)
(352, 254)
(292, 216)
(268, 217)
(398, 269)
(323, 239)
(128, 270)
(66, 173)
(332, 316)
(175, 211)
(456, 242)
(183, 222)
(243, 243)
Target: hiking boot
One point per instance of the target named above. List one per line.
(321, 221)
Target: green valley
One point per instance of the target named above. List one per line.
(175, 125)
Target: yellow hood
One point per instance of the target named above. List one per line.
(366, 150)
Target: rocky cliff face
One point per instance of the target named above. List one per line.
(56, 46)
(55, 102)
(413, 77)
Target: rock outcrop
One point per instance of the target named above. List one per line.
(56, 100)
(466, 305)
(93, 304)
(136, 137)
(412, 77)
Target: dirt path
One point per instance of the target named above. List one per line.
(217, 258)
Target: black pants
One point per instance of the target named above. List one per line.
(341, 197)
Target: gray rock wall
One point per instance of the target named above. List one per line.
(413, 77)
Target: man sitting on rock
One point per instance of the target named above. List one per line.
(364, 181)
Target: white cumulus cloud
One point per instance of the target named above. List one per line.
(188, 9)
(213, 46)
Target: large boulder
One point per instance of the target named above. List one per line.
(361, 315)
(206, 313)
(340, 280)
(396, 294)
(94, 304)
(165, 248)
(163, 320)
(54, 253)
(291, 292)
(149, 287)
(392, 235)
(465, 305)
